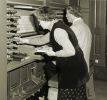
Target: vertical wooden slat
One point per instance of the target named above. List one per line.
(3, 61)
(98, 27)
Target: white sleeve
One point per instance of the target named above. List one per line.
(62, 39)
(81, 37)
(40, 40)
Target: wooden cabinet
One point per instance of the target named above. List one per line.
(25, 80)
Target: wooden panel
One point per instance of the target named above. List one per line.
(97, 14)
(84, 3)
(28, 2)
(98, 27)
(24, 74)
(97, 44)
(101, 14)
(91, 25)
(99, 50)
(85, 15)
(92, 18)
(100, 73)
(31, 66)
(15, 78)
(100, 31)
(3, 60)
(74, 2)
(67, 2)
(106, 42)
(56, 3)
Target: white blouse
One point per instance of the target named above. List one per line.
(62, 39)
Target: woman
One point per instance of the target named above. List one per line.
(84, 37)
(69, 59)
(80, 29)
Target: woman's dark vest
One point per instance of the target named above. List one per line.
(72, 71)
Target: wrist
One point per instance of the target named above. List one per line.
(26, 40)
(54, 53)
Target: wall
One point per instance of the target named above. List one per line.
(3, 73)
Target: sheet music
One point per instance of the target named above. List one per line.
(25, 24)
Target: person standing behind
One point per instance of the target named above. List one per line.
(83, 34)
(81, 31)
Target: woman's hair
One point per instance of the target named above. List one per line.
(65, 18)
(45, 13)
(38, 28)
(74, 10)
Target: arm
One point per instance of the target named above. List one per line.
(62, 39)
(40, 40)
(34, 41)
(81, 37)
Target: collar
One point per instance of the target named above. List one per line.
(51, 24)
(76, 20)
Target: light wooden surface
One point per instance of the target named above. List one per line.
(3, 72)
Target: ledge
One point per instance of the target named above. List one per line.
(16, 64)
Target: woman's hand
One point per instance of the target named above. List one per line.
(48, 52)
(22, 40)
